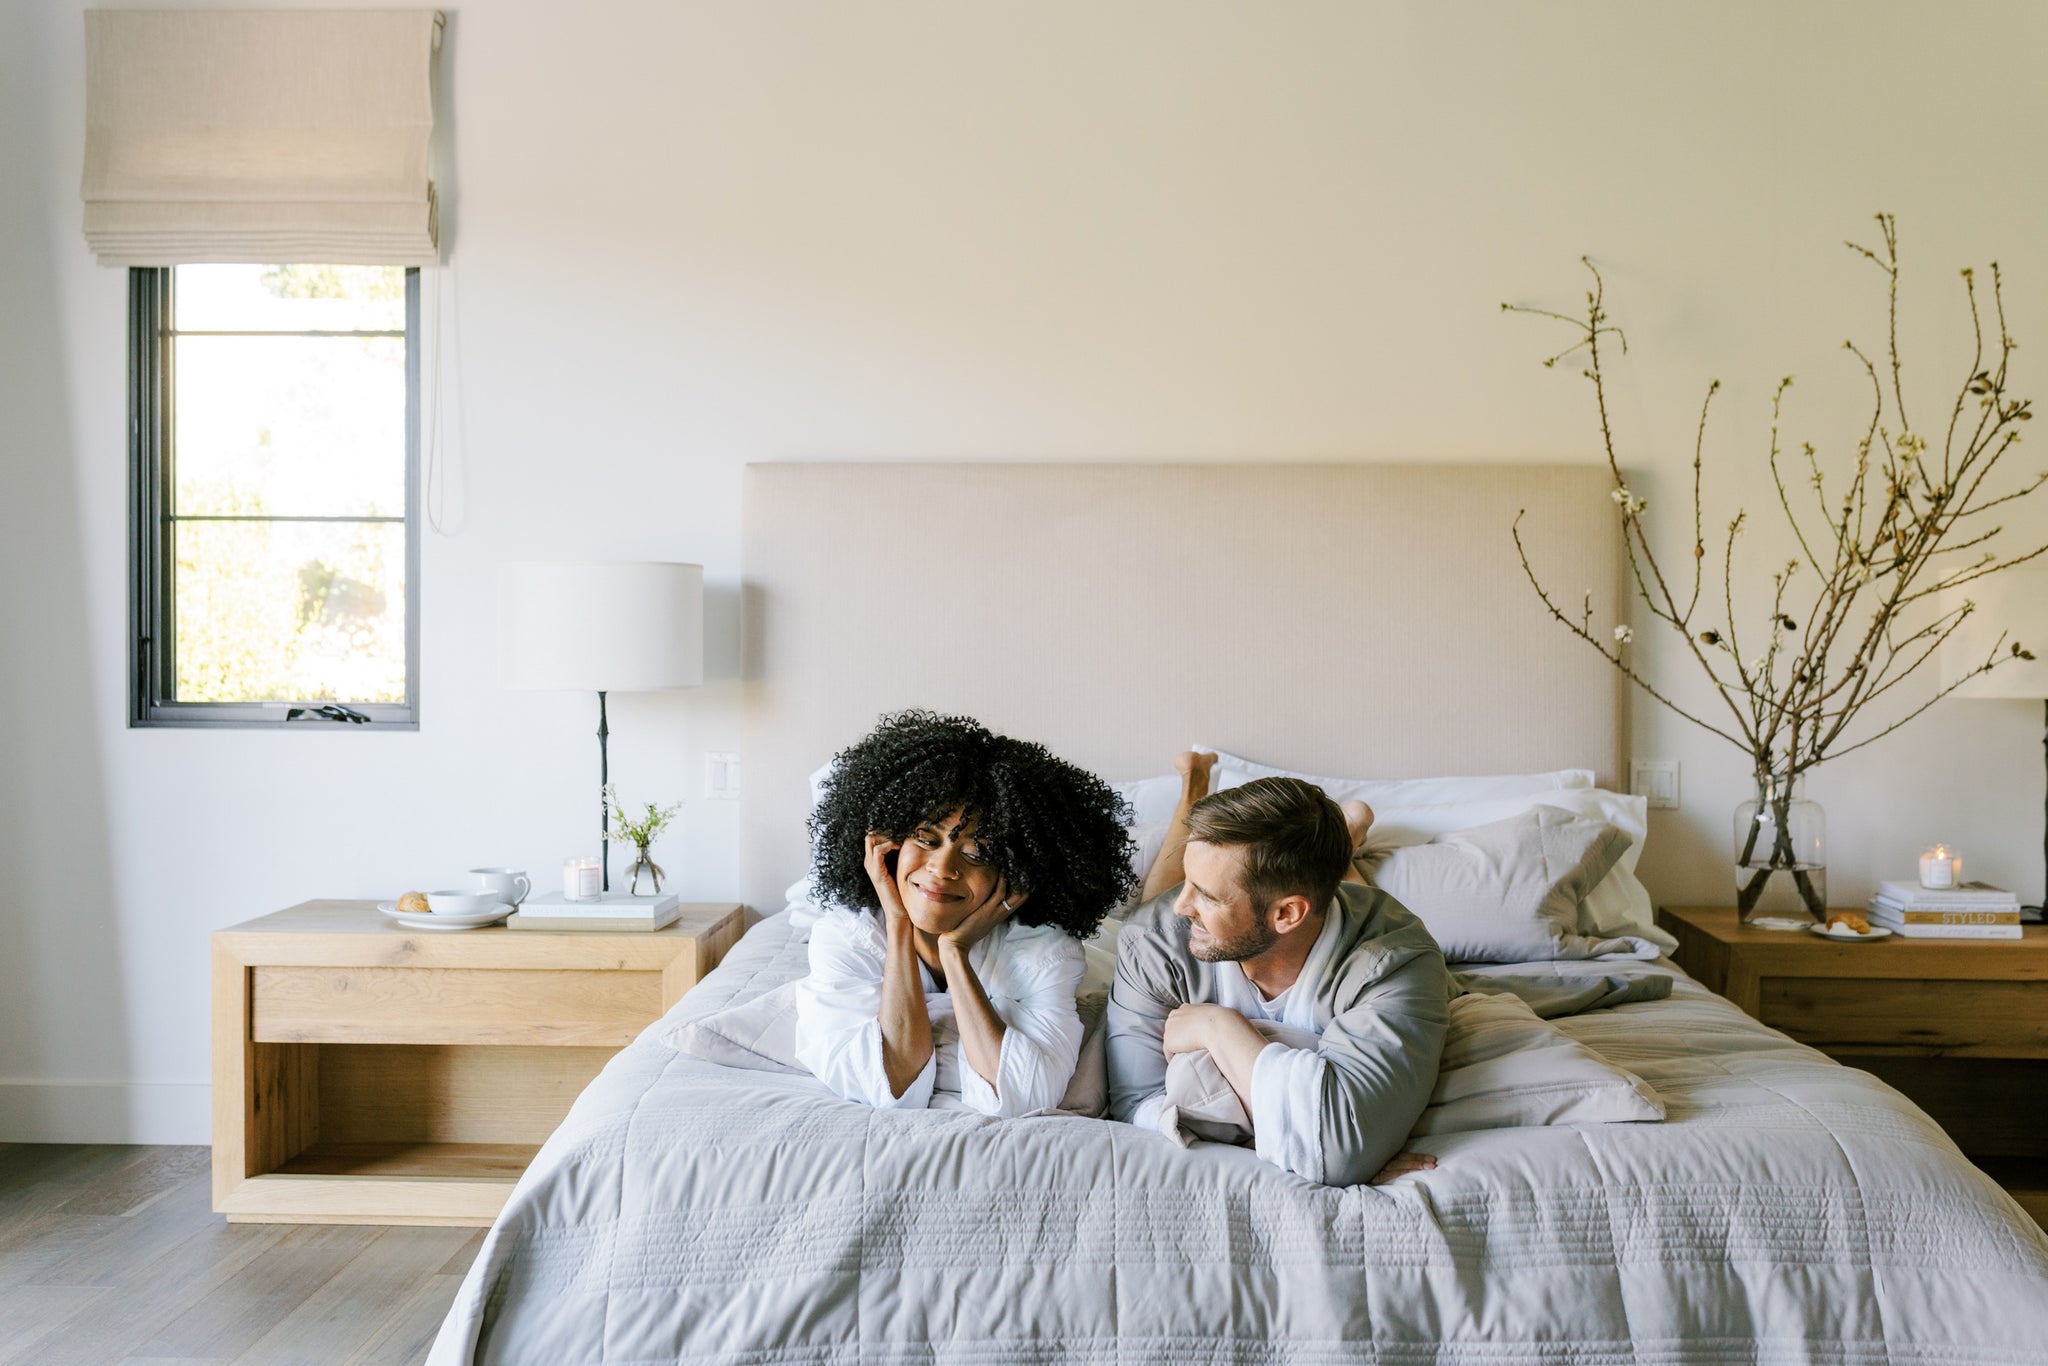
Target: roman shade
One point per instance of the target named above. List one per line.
(260, 135)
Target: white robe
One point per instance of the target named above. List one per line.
(1029, 973)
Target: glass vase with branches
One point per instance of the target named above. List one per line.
(1884, 542)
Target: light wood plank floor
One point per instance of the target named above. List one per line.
(114, 1254)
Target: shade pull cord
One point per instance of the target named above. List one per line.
(436, 491)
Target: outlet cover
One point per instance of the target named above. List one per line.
(1656, 779)
(721, 776)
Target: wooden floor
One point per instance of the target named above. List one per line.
(114, 1254)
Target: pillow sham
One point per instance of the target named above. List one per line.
(1509, 891)
(1617, 904)
(1413, 811)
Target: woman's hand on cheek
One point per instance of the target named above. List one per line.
(881, 869)
(980, 922)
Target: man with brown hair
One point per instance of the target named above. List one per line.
(1270, 924)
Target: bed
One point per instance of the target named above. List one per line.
(1787, 1209)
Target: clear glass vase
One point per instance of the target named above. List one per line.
(1781, 856)
(644, 866)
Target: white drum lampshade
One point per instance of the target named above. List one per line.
(627, 626)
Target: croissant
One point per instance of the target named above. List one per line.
(415, 903)
(1848, 920)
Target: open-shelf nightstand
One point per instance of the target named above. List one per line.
(1959, 1025)
(368, 1074)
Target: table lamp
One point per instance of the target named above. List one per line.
(2014, 602)
(623, 626)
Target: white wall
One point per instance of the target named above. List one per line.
(683, 236)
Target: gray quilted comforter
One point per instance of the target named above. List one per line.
(1789, 1210)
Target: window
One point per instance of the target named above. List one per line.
(274, 427)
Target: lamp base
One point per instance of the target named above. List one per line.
(604, 782)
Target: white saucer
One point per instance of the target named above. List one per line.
(1848, 935)
(467, 920)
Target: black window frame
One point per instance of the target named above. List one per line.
(152, 610)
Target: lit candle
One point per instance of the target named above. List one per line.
(1941, 866)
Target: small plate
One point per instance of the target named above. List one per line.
(1849, 936)
(469, 920)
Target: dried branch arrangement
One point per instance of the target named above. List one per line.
(1850, 617)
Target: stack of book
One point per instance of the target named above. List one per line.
(610, 913)
(1973, 910)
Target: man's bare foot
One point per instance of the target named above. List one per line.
(1194, 769)
(1358, 817)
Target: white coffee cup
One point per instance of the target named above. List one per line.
(456, 901)
(509, 885)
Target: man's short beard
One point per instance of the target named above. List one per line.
(1253, 942)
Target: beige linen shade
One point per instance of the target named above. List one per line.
(260, 135)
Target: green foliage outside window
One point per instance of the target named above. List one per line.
(273, 423)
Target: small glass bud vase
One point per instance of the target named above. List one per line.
(1781, 856)
(643, 864)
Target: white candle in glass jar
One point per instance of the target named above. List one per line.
(1941, 866)
(580, 879)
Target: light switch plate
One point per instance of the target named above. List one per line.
(721, 776)
(1656, 779)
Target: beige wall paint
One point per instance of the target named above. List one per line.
(683, 236)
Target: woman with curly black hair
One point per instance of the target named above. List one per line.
(962, 869)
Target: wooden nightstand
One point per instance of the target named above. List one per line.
(368, 1074)
(1959, 1025)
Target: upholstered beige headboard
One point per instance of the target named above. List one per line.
(1365, 620)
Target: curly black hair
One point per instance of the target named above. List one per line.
(1054, 830)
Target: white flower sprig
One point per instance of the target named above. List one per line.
(1630, 505)
(643, 831)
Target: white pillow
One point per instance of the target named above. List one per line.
(1509, 891)
(1617, 904)
(1152, 799)
(1416, 810)
(1402, 793)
